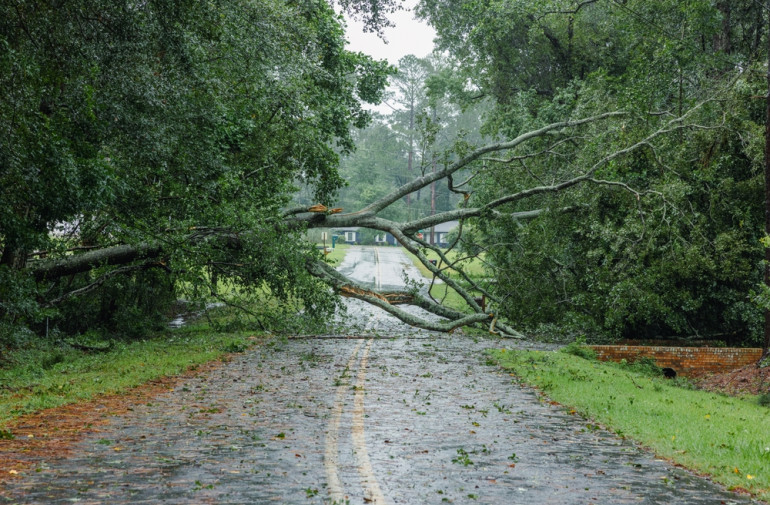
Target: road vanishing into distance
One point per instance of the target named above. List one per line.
(380, 414)
(381, 267)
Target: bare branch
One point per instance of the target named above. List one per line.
(454, 187)
(349, 288)
(458, 214)
(451, 265)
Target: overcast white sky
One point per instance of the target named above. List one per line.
(409, 36)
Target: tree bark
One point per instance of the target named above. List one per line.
(766, 344)
(116, 255)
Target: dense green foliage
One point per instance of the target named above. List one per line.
(674, 252)
(181, 124)
(182, 132)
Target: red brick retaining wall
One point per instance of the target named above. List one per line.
(684, 360)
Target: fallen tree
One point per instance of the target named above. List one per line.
(230, 244)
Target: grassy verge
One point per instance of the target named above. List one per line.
(448, 296)
(337, 254)
(727, 438)
(46, 376)
(473, 268)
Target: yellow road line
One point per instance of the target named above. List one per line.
(372, 491)
(332, 437)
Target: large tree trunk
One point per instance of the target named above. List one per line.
(766, 345)
(117, 255)
(723, 41)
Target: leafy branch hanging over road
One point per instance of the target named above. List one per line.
(231, 242)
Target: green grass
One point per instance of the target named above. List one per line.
(46, 376)
(474, 268)
(727, 438)
(337, 254)
(448, 296)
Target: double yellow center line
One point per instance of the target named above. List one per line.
(372, 492)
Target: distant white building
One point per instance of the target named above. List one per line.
(384, 238)
(350, 235)
(354, 235)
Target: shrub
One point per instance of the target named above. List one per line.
(131, 306)
(578, 348)
(644, 365)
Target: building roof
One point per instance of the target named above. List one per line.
(445, 227)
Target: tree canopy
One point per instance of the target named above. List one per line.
(169, 125)
(603, 157)
(668, 245)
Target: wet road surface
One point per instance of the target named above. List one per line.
(404, 420)
(414, 419)
(380, 267)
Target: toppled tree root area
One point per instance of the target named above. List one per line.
(745, 380)
(50, 434)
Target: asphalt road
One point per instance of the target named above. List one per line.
(388, 417)
(380, 267)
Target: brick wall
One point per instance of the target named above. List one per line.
(684, 360)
